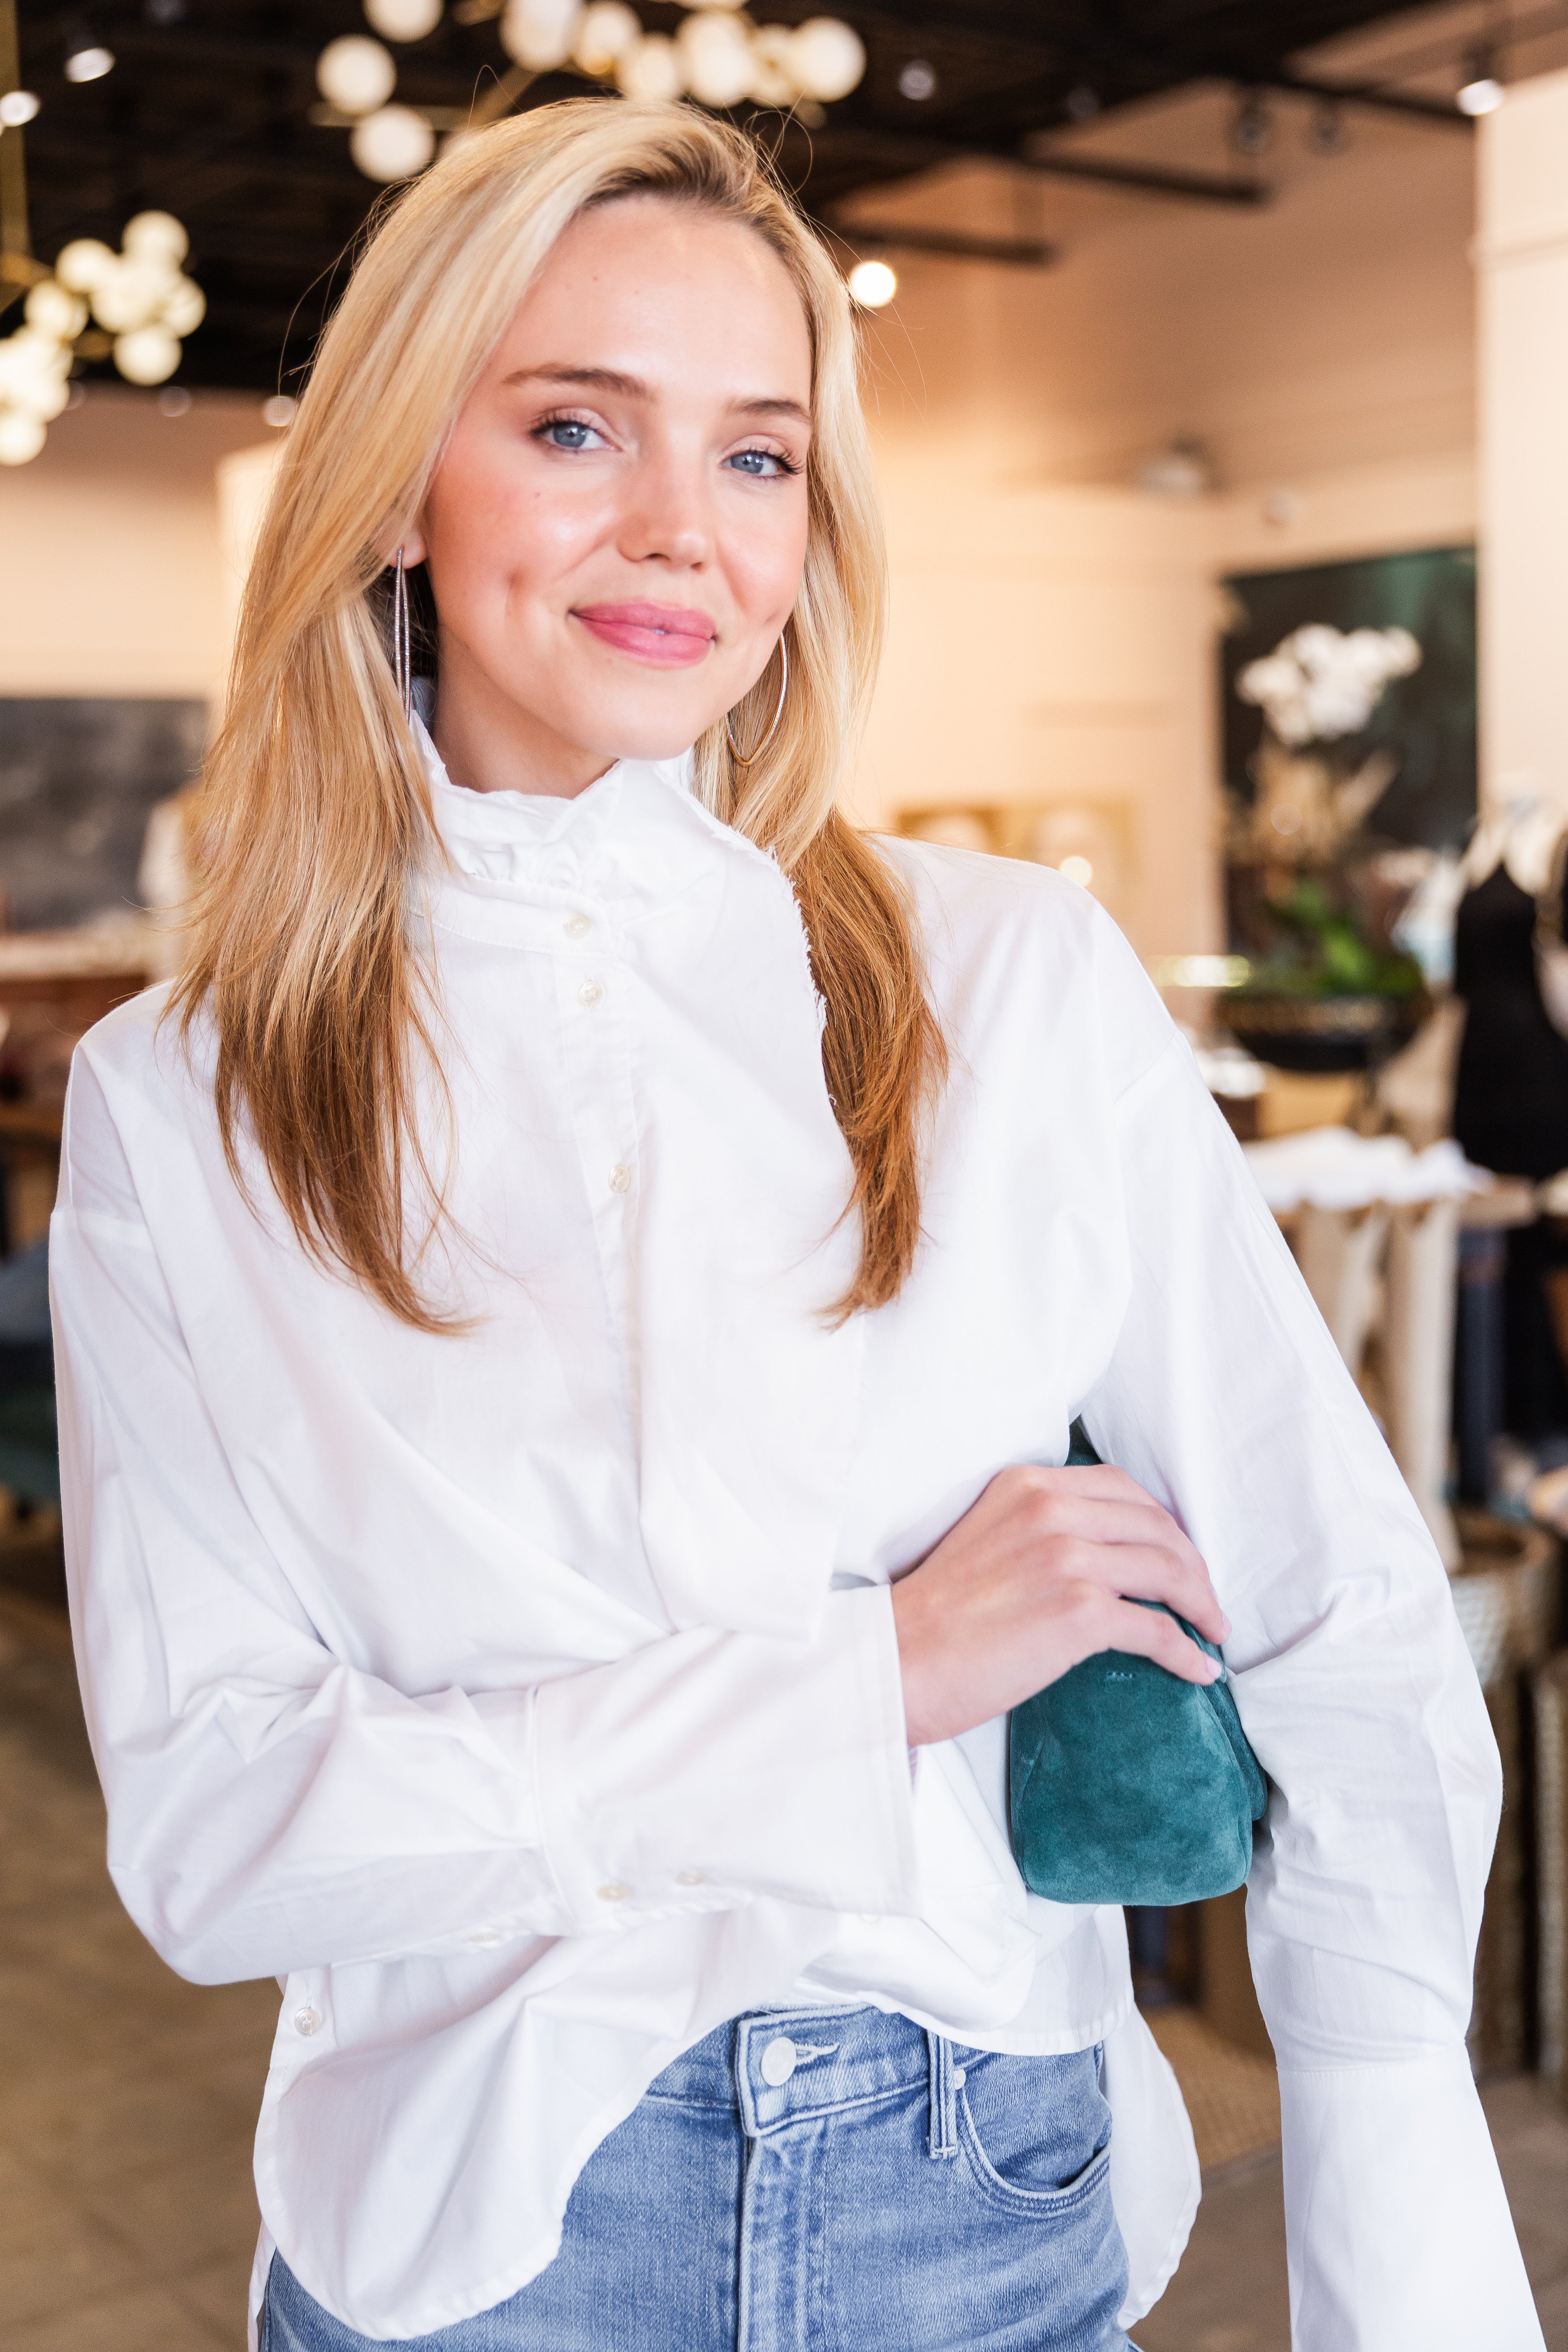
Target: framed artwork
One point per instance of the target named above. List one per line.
(78, 777)
(1425, 722)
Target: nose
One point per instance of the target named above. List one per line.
(669, 516)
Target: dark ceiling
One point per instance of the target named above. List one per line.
(206, 115)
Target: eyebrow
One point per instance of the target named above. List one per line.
(631, 387)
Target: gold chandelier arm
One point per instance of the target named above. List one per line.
(18, 271)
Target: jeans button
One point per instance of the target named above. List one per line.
(778, 2062)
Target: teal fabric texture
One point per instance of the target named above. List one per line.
(1128, 1785)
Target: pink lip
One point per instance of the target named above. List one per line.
(666, 636)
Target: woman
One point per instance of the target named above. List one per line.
(566, 1322)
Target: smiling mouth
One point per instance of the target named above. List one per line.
(665, 636)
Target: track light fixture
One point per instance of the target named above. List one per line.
(1326, 131)
(1480, 91)
(1251, 130)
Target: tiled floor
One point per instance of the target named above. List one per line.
(127, 2100)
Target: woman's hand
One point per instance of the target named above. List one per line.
(1043, 1571)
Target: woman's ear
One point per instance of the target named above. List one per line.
(410, 538)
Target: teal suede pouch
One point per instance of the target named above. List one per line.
(1128, 1785)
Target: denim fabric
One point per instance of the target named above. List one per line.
(894, 2193)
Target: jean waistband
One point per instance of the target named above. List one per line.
(777, 2067)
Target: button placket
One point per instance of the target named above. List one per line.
(596, 1002)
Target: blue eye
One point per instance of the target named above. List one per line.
(566, 433)
(761, 465)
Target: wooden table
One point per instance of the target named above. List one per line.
(54, 985)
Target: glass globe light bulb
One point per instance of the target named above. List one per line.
(55, 311)
(650, 70)
(393, 144)
(132, 296)
(84, 263)
(355, 75)
(156, 237)
(540, 34)
(714, 50)
(773, 66)
(185, 307)
(608, 30)
(147, 355)
(403, 20)
(829, 57)
(21, 437)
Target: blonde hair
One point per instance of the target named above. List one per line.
(316, 813)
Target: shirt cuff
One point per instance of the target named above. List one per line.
(1399, 2231)
(710, 1768)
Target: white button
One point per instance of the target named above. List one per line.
(779, 2060)
(959, 2078)
(589, 992)
(620, 1180)
(307, 2020)
(577, 927)
(614, 1894)
(870, 1918)
(691, 1878)
(486, 1935)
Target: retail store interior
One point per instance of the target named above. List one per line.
(1214, 361)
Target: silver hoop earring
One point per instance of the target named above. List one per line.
(402, 641)
(740, 759)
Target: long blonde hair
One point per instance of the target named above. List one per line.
(316, 814)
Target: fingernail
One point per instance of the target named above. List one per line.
(1216, 1670)
(1224, 1626)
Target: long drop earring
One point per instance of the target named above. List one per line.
(741, 758)
(402, 641)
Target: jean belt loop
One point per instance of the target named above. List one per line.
(943, 2098)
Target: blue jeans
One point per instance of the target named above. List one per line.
(824, 2181)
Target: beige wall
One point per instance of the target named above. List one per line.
(112, 578)
(1523, 260)
(1333, 328)
(1053, 647)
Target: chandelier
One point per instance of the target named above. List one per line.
(136, 305)
(718, 56)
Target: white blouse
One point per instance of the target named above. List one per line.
(528, 1700)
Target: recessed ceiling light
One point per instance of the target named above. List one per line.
(917, 80)
(89, 64)
(18, 106)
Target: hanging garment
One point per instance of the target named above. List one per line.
(1510, 1107)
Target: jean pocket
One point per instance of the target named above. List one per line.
(1035, 2132)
